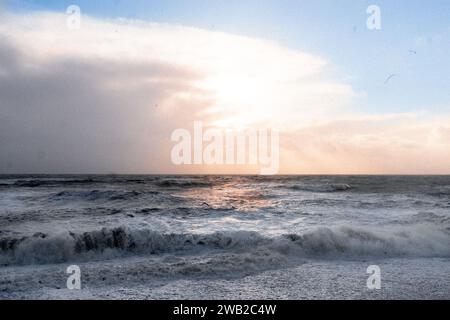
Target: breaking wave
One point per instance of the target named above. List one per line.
(182, 184)
(340, 187)
(92, 195)
(334, 243)
(38, 183)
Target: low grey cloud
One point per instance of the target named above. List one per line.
(87, 115)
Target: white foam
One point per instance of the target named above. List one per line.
(337, 242)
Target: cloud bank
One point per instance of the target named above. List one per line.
(105, 99)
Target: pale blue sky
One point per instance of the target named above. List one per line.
(335, 30)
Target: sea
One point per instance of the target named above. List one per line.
(225, 237)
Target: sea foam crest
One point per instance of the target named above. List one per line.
(335, 243)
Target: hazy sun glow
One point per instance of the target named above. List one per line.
(131, 83)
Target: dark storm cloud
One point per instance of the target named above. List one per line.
(87, 114)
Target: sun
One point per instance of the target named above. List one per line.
(241, 100)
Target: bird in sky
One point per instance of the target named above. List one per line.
(389, 78)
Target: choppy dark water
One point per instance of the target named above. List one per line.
(52, 219)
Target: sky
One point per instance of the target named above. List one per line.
(105, 98)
